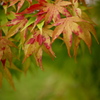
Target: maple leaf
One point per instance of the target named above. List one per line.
(33, 7)
(76, 25)
(66, 26)
(6, 58)
(47, 11)
(16, 24)
(5, 51)
(31, 32)
(87, 28)
(16, 20)
(3, 21)
(37, 43)
(6, 73)
(76, 41)
(19, 5)
(53, 10)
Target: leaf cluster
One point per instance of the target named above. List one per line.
(32, 29)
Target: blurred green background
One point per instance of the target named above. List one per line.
(63, 78)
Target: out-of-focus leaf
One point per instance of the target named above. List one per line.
(3, 21)
(31, 9)
(14, 29)
(11, 16)
(12, 66)
(1, 54)
(20, 4)
(29, 1)
(1, 79)
(23, 35)
(17, 20)
(30, 21)
(76, 45)
(26, 65)
(8, 76)
(5, 50)
(40, 26)
(5, 8)
(38, 57)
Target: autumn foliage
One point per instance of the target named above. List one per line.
(31, 27)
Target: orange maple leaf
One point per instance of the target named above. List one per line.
(53, 10)
(76, 25)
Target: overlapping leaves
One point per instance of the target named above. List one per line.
(34, 29)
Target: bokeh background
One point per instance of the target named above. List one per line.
(63, 78)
